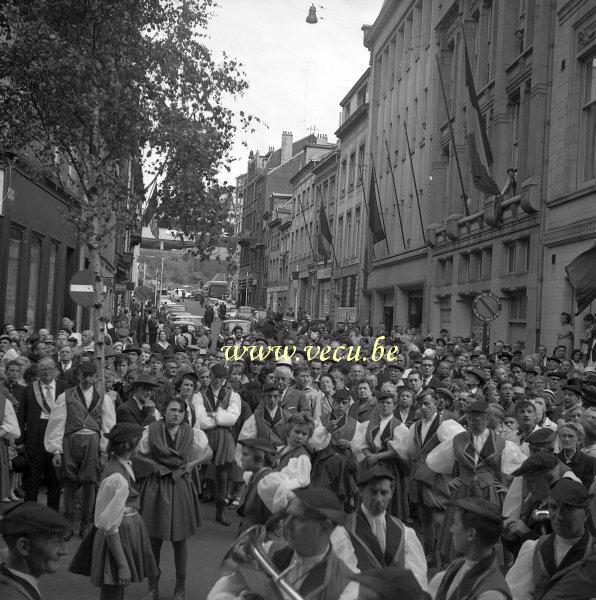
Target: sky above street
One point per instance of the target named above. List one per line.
(297, 72)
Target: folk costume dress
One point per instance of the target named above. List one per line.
(335, 468)
(381, 435)
(291, 471)
(478, 465)
(116, 513)
(170, 498)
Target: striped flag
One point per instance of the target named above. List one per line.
(481, 157)
(374, 216)
(582, 276)
(325, 238)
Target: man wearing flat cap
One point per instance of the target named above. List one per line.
(476, 530)
(140, 407)
(477, 469)
(528, 491)
(35, 536)
(269, 419)
(379, 539)
(257, 456)
(306, 559)
(542, 562)
(74, 438)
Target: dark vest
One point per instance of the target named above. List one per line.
(78, 416)
(115, 466)
(326, 581)
(274, 429)
(483, 577)
(282, 461)
(252, 509)
(366, 546)
(346, 428)
(386, 434)
(420, 471)
(544, 566)
(488, 467)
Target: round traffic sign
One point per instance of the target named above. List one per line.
(143, 293)
(81, 288)
(487, 306)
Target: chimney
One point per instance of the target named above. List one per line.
(287, 140)
(322, 138)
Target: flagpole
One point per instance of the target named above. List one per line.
(414, 180)
(461, 179)
(374, 173)
(365, 202)
(401, 224)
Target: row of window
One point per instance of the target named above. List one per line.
(477, 264)
(352, 173)
(29, 285)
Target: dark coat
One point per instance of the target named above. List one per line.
(129, 412)
(294, 401)
(33, 427)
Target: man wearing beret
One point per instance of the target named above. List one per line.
(257, 457)
(476, 530)
(542, 562)
(306, 559)
(74, 438)
(379, 539)
(35, 537)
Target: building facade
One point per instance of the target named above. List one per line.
(401, 97)
(39, 254)
(267, 175)
(458, 242)
(347, 217)
(569, 214)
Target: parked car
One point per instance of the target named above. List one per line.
(246, 312)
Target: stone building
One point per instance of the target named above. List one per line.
(460, 242)
(569, 212)
(266, 175)
(347, 217)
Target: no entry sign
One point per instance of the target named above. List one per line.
(487, 306)
(81, 288)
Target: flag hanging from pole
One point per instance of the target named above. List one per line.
(374, 216)
(325, 237)
(149, 216)
(481, 157)
(582, 276)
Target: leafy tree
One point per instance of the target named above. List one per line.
(96, 93)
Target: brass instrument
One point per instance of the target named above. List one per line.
(248, 557)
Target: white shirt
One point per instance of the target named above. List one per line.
(378, 524)
(66, 365)
(425, 427)
(520, 577)
(382, 424)
(48, 391)
(478, 442)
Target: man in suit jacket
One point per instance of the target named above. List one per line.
(292, 400)
(33, 415)
(379, 539)
(139, 408)
(429, 379)
(66, 367)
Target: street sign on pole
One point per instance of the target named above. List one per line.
(486, 307)
(143, 293)
(81, 288)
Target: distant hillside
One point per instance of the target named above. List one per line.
(180, 269)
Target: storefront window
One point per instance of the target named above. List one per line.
(12, 276)
(34, 270)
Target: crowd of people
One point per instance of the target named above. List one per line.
(441, 469)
